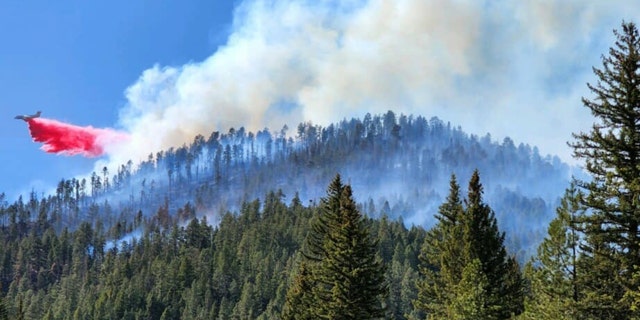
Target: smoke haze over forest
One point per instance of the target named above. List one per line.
(510, 69)
(399, 167)
(441, 124)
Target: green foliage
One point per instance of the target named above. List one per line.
(4, 315)
(345, 279)
(553, 273)
(470, 294)
(62, 253)
(56, 263)
(442, 257)
(587, 267)
(297, 304)
(351, 277)
(611, 152)
(466, 270)
(240, 268)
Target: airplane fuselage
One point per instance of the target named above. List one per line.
(28, 117)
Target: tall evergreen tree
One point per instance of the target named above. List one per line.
(329, 211)
(443, 257)
(486, 243)
(553, 273)
(465, 262)
(611, 152)
(345, 277)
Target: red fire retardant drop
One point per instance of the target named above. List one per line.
(63, 138)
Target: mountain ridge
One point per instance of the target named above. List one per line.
(399, 166)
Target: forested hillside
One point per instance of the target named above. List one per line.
(242, 225)
(399, 164)
(238, 270)
(183, 234)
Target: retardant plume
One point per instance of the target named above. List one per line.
(67, 139)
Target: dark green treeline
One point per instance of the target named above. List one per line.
(271, 260)
(239, 270)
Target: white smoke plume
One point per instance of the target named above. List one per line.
(511, 68)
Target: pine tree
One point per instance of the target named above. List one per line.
(460, 239)
(553, 273)
(345, 277)
(442, 256)
(611, 151)
(351, 276)
(486, 243)
(296, 305)
(329, 211)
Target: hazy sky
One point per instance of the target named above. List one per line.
(165, 71)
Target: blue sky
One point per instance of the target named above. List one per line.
(164, 71)
(74, 59)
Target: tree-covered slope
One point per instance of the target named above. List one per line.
(240, 269)
(399, 165)
(131, 242)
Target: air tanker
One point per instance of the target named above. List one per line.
(28, 117)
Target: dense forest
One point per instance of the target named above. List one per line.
(102, 247)
(399, 166)
(243, 226)
(213, 229)
(237, 270)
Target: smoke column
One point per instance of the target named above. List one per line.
(67, 139)
(511, 68)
